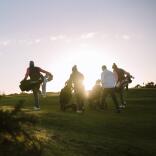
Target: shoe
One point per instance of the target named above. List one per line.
(36, 108)
(122, 106)
(79, 111)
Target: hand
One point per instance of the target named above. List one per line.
(50, 77)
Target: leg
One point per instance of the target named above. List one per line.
(80, 102)
(127, 87)
(122, 96)
(112, 93)
(36, 97)
(120, 92)
(103, 104)
(44, 89)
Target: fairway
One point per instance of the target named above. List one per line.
(96, 133)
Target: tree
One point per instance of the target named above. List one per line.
(150, 85)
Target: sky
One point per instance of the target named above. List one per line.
(57, 34)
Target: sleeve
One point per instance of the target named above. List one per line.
(125, 72)
(71, 77)
(116, 76)
(27, 74)
(46, 72)
(82, 76)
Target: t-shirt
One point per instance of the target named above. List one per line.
(120, 74)
(108, 79)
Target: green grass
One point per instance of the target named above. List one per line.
(97, 133)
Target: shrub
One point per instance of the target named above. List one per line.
(18, 136)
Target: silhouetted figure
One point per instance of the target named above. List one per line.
(36, 78)
(128, 80)
(66, 97)
(76, 78)
(95, 95)
(108, 84)
(123, 78)
(46, 79)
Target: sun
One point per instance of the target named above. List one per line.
(89, 63)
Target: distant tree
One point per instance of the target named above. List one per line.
(138, 86)
(150, 85)
(146, 85)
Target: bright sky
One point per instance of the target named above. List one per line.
(57, 34)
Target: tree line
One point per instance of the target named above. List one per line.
(146, 85)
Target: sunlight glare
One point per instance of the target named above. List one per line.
(88, 61)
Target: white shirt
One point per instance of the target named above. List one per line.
(108, 79)
(44, 86)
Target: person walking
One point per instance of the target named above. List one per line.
(122, 80)
(95, 95)
(36, 78)
(76, 78)
(108, 84)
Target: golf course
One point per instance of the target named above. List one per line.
(93, 132)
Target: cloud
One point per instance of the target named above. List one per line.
(126, 37)
(68, 40)
(37, 41)
(88, 35)
(64, 38)
(58, 37)
(28, 41)
(21, 41)
(5, 43)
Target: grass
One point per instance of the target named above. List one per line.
(97, 133)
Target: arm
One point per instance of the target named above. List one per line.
(102, 77)
(46, 72)
(116, 76)
(125, 72)
(71, 78)
(132, 77)
(27, 74)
